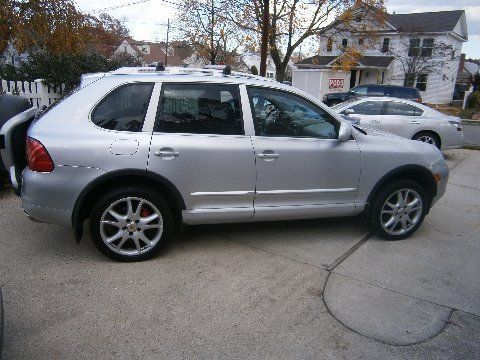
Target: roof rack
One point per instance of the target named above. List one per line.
(177, 70)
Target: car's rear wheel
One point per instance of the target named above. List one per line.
(131, 223)
(399, 209)
(427, 137)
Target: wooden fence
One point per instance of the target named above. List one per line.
(36, 92)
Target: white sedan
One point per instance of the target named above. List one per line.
(404, 118)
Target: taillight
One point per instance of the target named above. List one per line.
(38, 158)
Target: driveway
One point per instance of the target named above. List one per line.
(318, 289)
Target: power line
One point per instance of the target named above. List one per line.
(115, 7)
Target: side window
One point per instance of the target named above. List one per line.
(278, 113)
(398, 108)
(368, 108)
(376, 91)
(124, 109)
(199, 109)
(360, 90)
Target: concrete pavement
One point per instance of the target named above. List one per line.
(471, 134)
(317, 289)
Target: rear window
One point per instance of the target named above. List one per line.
(124, 109)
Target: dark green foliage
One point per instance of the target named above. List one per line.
(254, 70)
(56, 69)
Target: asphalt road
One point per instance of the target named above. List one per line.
(471, 134)
(320, 289)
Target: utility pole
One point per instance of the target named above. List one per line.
(265, 31)
(166, 44)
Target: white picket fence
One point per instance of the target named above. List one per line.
(36, 92)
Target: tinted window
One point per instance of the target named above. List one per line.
(277, 113)
(376, 91)
(359, 90)
(368, 108)
(200, 109)
(124, 108)
(397, 108)
(404, 93)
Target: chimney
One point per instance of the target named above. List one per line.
(461, 64)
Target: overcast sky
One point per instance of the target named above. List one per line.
(147, 20)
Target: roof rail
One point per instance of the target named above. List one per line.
(186, 71)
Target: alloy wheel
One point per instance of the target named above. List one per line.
(427, 139)
(131, 226)
(401, 211)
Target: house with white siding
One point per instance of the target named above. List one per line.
(421, 50)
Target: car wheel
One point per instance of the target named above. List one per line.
(398, 210)
(427, 137)
(131, 223)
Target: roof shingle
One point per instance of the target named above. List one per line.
(439, 21)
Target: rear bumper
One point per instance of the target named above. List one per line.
(51, 197)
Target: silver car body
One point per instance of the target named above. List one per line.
(448, 128)
(216, 178)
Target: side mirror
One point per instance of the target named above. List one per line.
(349, 111)
(345, 132)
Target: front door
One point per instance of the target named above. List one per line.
(369, 113)
(302, 168)
(198, 144)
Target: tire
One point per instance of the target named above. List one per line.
(116, 227)
(401, 220)
(427, 137)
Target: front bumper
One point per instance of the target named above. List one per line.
(443, 171)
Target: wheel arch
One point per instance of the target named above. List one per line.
(85, 201)
(429, 130)
(417, 173)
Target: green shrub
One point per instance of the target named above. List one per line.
(473, 100)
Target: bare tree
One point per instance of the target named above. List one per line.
(294, 21)
(213, 37)
(419, 54)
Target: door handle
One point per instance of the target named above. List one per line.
(268, 156)
(166, 152)
(414, 122)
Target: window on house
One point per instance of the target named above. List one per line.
(329, 44)
(427, 47)
(386, 45)
(422, 82)
(344, 43)
(409, 80)
(414, 49)
(360, 41)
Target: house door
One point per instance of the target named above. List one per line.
(353, 78)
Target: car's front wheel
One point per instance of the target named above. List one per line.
(398, 210)
(131, 223)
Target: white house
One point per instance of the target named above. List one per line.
(12, 57)
(419, 49)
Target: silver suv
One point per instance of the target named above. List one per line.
(139, 152)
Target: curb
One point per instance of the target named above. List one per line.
(470, 122)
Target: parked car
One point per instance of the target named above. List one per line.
(11, 105)
(405, 118)
(359, 91)
(139, 152)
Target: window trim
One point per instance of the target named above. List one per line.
(104, 97)
(250, 105)
(159, 108)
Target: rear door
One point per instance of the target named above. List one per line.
(198, 144)
(402, 119)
